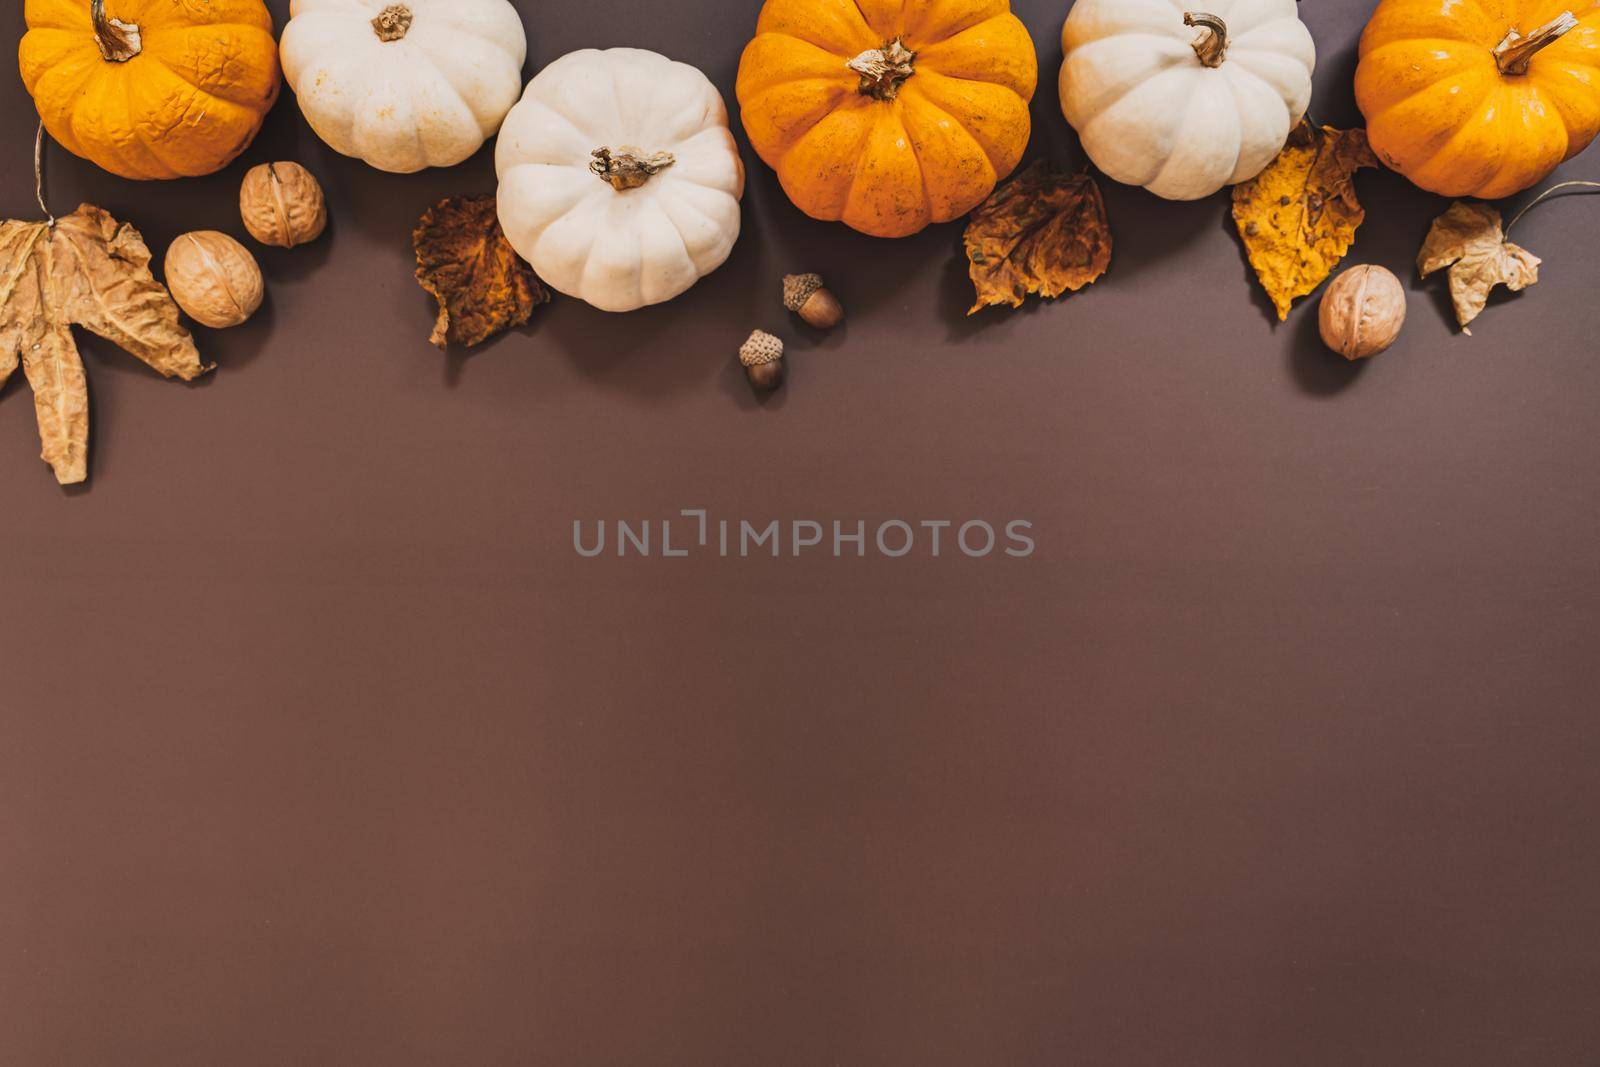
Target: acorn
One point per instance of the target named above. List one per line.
(806, 296)
(762, 356)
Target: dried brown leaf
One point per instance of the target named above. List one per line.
(1042, 232)
(90, 270)
(466, 263)
(1299, 216)
(1468, 239)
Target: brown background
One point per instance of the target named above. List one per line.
(319, 744)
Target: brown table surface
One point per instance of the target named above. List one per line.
(320, 745)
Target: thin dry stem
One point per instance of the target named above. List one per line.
(38, 173)
(1589, 188)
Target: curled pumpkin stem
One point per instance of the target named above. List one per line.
(628, 168)
(392, 23)
(119, 41)
(1212, 44)
(1513, 54)
(883, 69)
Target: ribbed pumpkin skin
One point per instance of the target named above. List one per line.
(1440, 111)
(186, 105)
(888, 168)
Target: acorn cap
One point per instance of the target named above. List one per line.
(761, 348)
(797, 289)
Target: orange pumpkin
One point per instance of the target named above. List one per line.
(888, 114)
(151, 88)
(1480, 97)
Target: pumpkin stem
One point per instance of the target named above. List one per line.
(629, 168)
(392, 23)
(1212, 44)
(883, 69)
(1514, 53)
(119, 41)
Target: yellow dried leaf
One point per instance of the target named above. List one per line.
(1043, 232)
(90, 270)
(466, 263)
(1299, 216)
(1469, 240)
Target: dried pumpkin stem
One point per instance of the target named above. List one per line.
(1587, 187)
(392, 23)
(883, 69)
(119, 41)
(1513, 54)
(628, 168)
(1212, 44)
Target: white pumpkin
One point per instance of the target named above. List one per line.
(619, 180)
(408, 85)
(1184, 101)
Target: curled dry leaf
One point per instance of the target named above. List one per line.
(1469, 240)
(1299, 216)
(90, 270)
(465, 261)
(1042, 232)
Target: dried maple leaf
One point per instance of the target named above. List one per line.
(465, 261)
(1042, 232)
(1469, 240)
(1299, 216)
(90, 270)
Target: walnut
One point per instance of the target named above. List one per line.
(282, 205)
(1362, 312)
(214, 278)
